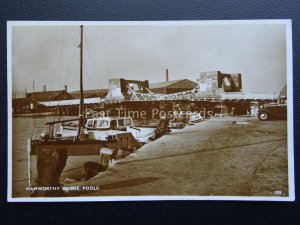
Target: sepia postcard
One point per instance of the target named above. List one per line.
(160, 110)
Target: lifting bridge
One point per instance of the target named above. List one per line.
(196, 95)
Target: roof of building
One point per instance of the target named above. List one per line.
(163, 84)
(167, 83)
(90, 93)
(49, 95)
(72, 102)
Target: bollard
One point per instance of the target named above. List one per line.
(105, 157)
(121, 153)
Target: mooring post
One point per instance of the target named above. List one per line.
(91, 169)
(50, 164)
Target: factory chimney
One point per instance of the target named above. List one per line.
(66, 88)
(44, 88)
(167, 75)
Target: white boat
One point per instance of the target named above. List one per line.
(104, 128)
(191, 117)
(187, 117)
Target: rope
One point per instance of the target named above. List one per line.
(88, 69)
(104, 52)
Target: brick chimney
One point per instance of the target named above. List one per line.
(167, 75)
(66, 88)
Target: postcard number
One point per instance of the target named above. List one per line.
(278, 192)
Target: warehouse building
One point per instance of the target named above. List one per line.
(174, 86)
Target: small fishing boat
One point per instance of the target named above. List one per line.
(34, 114)
(103, 128)
(191, 117)
(186, 118)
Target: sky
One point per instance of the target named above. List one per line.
(49, 54)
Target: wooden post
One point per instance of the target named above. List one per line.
(50, 164)
(81, 104)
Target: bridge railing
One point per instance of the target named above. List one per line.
(186, 95)
(195, 94)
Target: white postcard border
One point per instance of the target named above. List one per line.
(291, 183)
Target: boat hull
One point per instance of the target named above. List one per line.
(72, 170)
(34, 114)
(51, 160)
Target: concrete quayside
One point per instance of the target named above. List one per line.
(227, 156)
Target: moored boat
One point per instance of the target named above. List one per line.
(34, 114)
(104, 128)
(192, 117)
(187, 118)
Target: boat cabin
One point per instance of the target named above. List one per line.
(109, 123)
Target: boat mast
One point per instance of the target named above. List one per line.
(81, 110)
(81, 104)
